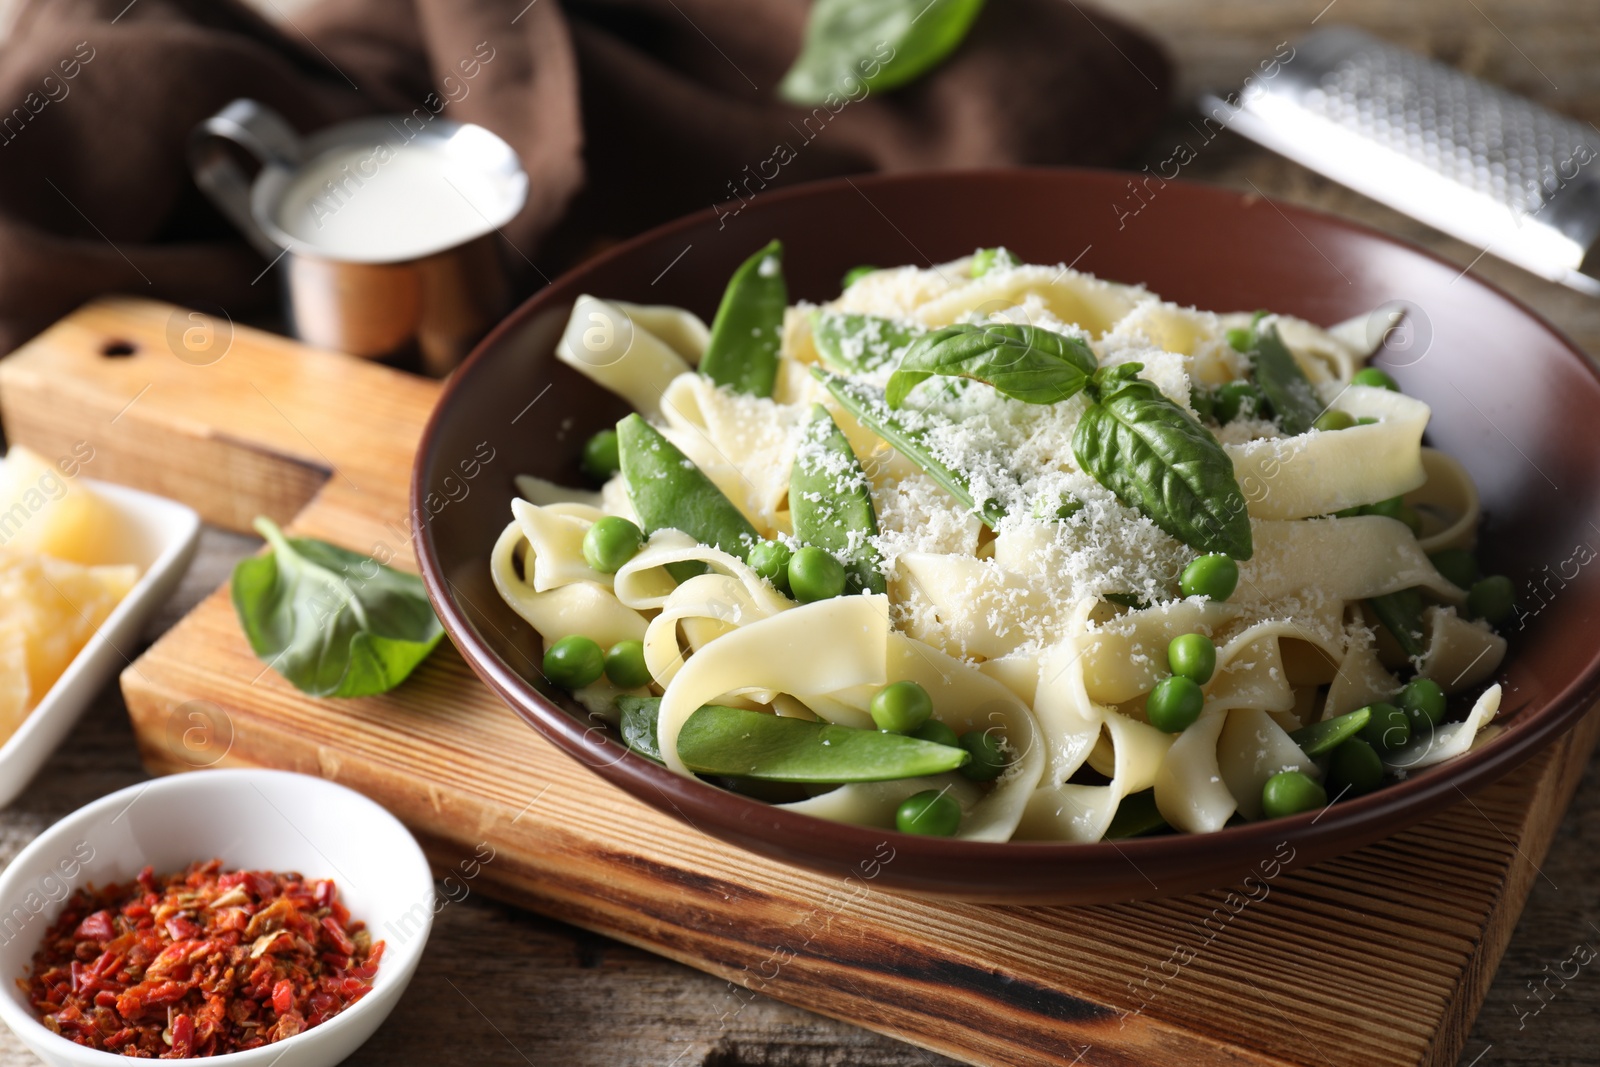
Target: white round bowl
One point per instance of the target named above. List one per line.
(258, 820)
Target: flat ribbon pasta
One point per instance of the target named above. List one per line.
(1340, 559)
(586, 608)
(1321, 472)
(605, 344)
(1076, 299)
(1448, 741)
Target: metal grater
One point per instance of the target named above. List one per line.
(1469, 158)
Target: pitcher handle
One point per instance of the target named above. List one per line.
(260, 131)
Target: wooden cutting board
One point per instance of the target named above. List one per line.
(1379, 957)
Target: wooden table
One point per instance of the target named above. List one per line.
(542, 993)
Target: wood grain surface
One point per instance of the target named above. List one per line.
(500, 986)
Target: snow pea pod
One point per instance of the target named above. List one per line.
(860, 344)
(743, 350)
(1401, 615)
(1325, 736)
(867, 405)
(832, 503)
(1136, 816)
(751, 744)
(1291, 394)
(669, 492)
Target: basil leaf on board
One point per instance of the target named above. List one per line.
(1325, 736)
(831, 503)
(1024, 362)
(1155, 457)
(333, 622)
(742, 352)
(1401, 615)
(669, 492)
(866, 404)
(1288, 390)
(852, 47)
(860, 344)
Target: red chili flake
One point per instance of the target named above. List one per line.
(199, 963)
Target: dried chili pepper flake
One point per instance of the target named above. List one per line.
(206, 962)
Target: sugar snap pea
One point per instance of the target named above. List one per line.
(743, 350)
(832, 503)
(669, 492)
(751, 744)
(1325, 736)
(1401, 615)
(1136, 815)
(867, 405)
(860, 344)
(1287, 388)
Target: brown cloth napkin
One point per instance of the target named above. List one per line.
(625, 113)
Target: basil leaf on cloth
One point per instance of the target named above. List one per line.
(333, 622)
(866, 404)
(1024, 362)
(1287, 389)
(1155, 457)
(852, 46)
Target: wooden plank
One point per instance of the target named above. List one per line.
(1380, 957)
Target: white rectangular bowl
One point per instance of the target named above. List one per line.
(159, 536)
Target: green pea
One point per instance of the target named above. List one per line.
(611, 542)
(855, 274)
(770, 559)
(1457, 565)
(1374, 377)
(815, 575)
(1396, 508)
(1389, 728)
(601, 457)
(1193, 656)
(1215, 576)
(937, 732)
(1238, 400)
(932, 813)
(1174, 704)
(1205, 406)
(1240, 338)
(1290, 793)
(625, 665)
(901, 707)
(574, 662)
(1355, 768)
(1333, 419)
(1492, 599)
(988, 757)
(1423, 702)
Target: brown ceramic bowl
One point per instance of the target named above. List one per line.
(1512, 399)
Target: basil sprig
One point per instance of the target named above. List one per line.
(333, 622)
(1288, 390)
(1155, 457)
(856, 46)
(866, 404)
(1024, 362)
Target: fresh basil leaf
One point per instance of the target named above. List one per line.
(742, 352)
(866, 404)
(831, 503)
(1288, 390)
(332, 622)
(1155, 457)
(1329, 734)
(860, 344)
(1024, 362)
(1401, 615)
(853, 47)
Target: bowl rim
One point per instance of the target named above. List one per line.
(394, 969)
(1362, 819)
